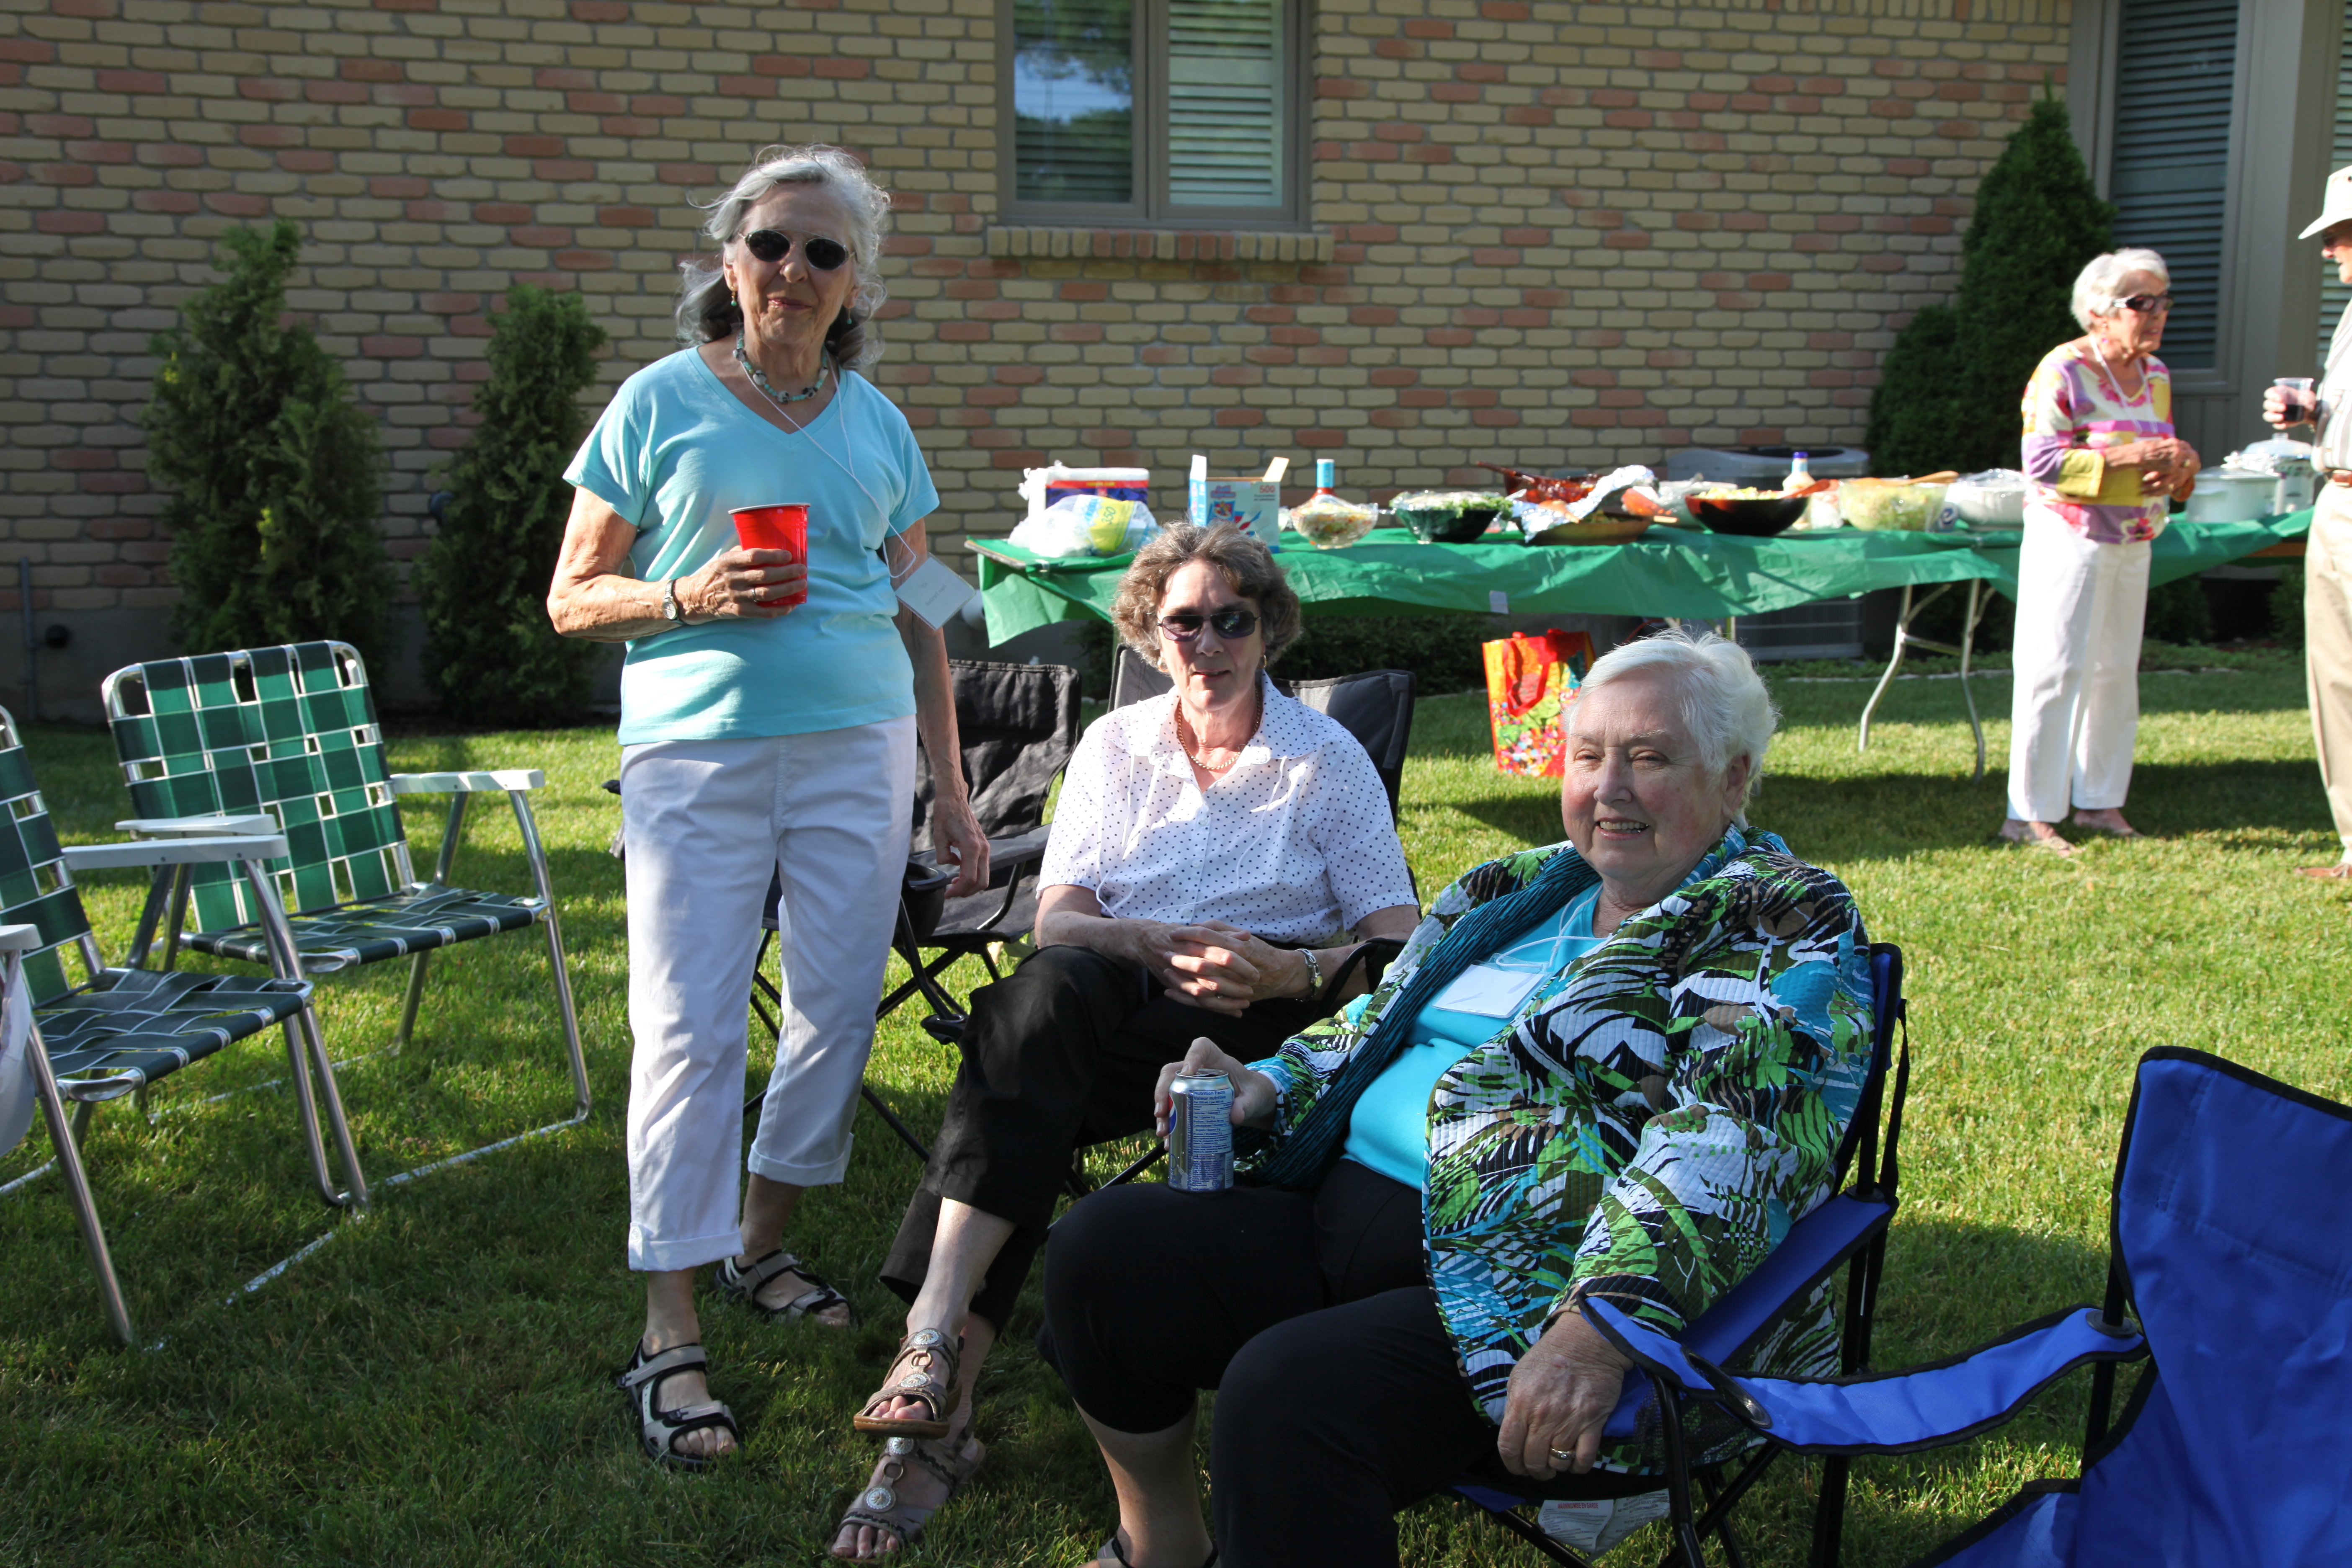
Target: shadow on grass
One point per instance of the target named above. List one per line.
(1890, 817)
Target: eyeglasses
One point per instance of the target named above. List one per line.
(1231, 626)
(2148, 304)
(774, 244)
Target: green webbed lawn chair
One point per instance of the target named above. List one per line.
(110, 1033)
(287, 738)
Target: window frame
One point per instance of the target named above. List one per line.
(1151, 209)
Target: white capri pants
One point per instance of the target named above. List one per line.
(2074, 708)
(706, 822)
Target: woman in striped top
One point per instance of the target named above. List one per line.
(2105, 465)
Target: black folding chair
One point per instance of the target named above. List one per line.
(1373, 705)
(1017, 725)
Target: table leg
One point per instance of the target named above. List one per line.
(1901, 636)
(1977, 599)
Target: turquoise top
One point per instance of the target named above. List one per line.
(674, 453)
(1389, 1129)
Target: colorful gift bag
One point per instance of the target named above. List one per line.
(1530, 681)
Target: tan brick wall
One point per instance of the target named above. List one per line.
(1551, 234)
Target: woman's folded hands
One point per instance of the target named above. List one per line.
(1560, 1396)
(1254, 1093)
(1218, 966)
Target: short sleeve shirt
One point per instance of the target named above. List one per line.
(1295, 844)
(674, 453)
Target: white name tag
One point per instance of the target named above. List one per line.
(934, 592)
(1487, 992)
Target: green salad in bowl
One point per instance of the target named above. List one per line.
(1448, 517)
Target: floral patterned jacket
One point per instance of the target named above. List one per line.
(1652, 1120)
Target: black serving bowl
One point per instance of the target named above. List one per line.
(1754, 519)
(1444, 525)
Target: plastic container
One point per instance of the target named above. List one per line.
(1896, 504)
(2231, 494)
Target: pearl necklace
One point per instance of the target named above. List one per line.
(759, 381)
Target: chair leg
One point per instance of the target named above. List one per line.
(302, 1030)
(906, 1133)
(546, 886)
(1829, 1513)
(407, 1029)
(1527, 1530)
(64, 1136)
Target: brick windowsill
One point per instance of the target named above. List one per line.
(1059, 242)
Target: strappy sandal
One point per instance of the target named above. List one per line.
(658, 1430)
(931, 1383)
(1112, 1552)
(880, 1507)
(745, 1284)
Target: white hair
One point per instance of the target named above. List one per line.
(1725, 706)
(2094, 288)
(707, 312)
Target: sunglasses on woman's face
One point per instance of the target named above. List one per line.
(1231, 626)
(774, 244)
(2146, 304)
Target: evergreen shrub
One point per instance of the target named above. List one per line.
(2286, 606)
(1950, 390)
(491, 656)
(275, 472)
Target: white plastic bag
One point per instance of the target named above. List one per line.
(1087, 526)
(1601, 1524)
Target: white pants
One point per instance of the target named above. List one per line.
(706, 821)
(2327, 650)
(2075, 710)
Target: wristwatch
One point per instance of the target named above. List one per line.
(672, 611)
(1314, 971)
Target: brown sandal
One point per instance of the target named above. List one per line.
(931, 1383)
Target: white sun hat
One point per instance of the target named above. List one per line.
(2338, 207)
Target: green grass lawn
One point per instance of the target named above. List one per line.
(432, 1384)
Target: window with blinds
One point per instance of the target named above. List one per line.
(2334, 297)
(2175, 64)
(1154, 110)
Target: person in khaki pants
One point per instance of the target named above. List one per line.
(2328, 564)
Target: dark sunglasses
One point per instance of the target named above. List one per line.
(1231, 626)
(774, 244)
(2146, 304)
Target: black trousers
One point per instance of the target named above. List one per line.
(1339, 1400)
(1062, 1053)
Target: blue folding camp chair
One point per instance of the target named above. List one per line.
(2232, 1237)
(1850, 1226)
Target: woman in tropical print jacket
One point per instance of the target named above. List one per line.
(1616, 1067)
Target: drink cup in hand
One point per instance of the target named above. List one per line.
(2296, 400)
(784, 527)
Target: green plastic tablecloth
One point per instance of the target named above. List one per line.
(1673, 572)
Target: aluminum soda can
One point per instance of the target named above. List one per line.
(1201, 1133)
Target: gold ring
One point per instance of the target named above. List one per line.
(1563, 1456)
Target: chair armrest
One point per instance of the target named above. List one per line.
(148, 852)
(209, 825)
(1016, 848)
(19, 938)
(1891, 1413)
(497, 780)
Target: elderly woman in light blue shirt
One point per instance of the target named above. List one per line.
(757, 737)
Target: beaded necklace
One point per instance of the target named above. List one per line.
(780, 398)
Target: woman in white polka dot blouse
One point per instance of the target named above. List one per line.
(1218, 856)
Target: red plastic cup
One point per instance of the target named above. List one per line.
(783, 526)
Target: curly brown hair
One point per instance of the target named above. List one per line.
(1248, 565)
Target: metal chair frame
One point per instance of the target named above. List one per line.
(59, 923)
(350, 784)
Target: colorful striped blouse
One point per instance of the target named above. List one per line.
(2073, 406)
